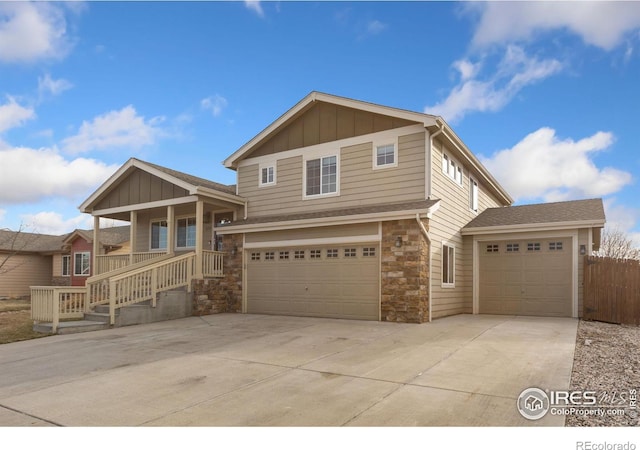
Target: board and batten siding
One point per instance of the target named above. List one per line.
(359, 183)
(22, 271)
(444, 227)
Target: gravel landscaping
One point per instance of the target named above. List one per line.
(607, 361)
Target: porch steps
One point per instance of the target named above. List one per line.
(74, 326)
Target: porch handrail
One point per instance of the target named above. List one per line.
(143, 284)
(118, 262)
(212, 263)
(56, 303)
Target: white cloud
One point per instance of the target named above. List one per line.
(543, 166)
(30, 175)
(255, 6)
(31, 31)
(515, 71)
(115, 129)
(49, 222)
(47, 85)
(216, 104)
(13, 115)
(376, 27)
(602, 24)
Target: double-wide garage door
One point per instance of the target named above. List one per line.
(337, 281)
(526, 277)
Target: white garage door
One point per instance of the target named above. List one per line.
(526, 277)
(329, 281)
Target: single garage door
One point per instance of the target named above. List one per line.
(328, 281)
(526, 277)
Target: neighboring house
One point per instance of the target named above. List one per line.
(75, 267)
(34, 259)
(348, 209)
(26, 260)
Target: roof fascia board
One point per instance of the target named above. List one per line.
(476, 231)
(427, 120)
(212, 193)
(323, 222)
(475, 163)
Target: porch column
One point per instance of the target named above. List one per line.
(199, 237)
(133, 219)
(171, 231)
(96, 245)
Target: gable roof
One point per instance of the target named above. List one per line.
(192, 184)
(569, 214)
(111, 236)
(426, 119)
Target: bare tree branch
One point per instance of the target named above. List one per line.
(12, 243)
(616, 244)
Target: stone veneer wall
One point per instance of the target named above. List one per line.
(220, 295)
(61, 281)
(405, 272)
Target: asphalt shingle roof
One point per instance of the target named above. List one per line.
(196, 181)
(571, 211)
(20, 241)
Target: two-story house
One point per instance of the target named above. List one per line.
(348, 209)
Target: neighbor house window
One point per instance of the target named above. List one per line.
(385, 155)
(448, 265)
(186, 232)
(159, 235)
(267, 175)
(451, 168)
(473, 195)
(82, 264)
(66, 265)
(322, 176)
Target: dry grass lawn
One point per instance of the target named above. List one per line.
(15, 321)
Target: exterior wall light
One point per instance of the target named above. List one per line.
(583, 250)
(398, 241)
(234, 250)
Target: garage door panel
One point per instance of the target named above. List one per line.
(534, 279)
(346, 286)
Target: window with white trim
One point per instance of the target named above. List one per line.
(267, 175)
(385, 155)
(82, 264)
(186, 232)
(66, 265)
(473, 194)
(452, 169)
(159, 234)
(322, 176)
(448, 265)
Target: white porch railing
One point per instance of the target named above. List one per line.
(108, 263)
(212, 264)
(56, 303)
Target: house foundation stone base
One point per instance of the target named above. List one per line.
(404, 272)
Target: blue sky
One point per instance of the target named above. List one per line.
(546, 94)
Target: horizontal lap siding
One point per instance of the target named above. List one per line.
(453, 214)
(360, 185)
(22, 271)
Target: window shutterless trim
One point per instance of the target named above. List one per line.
(271, 180)
(392, 141)
(306, 196)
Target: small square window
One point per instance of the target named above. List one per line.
(298, 254)
(385, 155)
(332, 253)
(315, 254)
(555, 246)
(255, 256)
(284, 255)
(493, 248)
(269, 256)
(512, 248)
(369, 251)
(349, 252)
(533, 247)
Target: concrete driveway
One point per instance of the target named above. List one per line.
(242, 370)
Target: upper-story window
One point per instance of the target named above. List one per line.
(267, 174)
(452, 168)
(385, 154)
(473, 194)
(321, 176)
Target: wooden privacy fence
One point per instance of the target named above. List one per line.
(611, 290)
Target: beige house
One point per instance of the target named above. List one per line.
(348, 209)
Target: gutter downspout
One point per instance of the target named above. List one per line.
(428, 161)
(426, 235)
